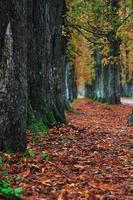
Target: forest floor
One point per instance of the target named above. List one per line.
(91, 158)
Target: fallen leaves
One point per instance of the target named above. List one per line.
(90, 158)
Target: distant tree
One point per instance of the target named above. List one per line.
(100, 22)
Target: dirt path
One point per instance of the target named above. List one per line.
(90, 159)
(106, 150)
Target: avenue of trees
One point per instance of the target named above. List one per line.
(101, 46)
(32, 68)
(49, 48)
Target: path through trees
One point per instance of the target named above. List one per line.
(90, 158)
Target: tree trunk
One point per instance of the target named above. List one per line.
(46, 58)
(31, 48)
(13, 75)
(114, 70)
(71, 87)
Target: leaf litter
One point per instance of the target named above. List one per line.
(90, 158)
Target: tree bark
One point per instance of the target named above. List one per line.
(13, 75)
(46, 57)
(32, 67)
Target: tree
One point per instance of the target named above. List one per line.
(32, 67)
(13, 77)
(100, 22)
(46, 58)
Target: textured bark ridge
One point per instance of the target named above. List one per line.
(32, 67)
(13, 81)
(46, 58)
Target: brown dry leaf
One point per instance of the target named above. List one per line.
(106, 186)
(6, 156)
(80, 166)
(34, 166)
(25, 173)
(45, 182)
(62, 195)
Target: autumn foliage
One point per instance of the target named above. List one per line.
(82, 59)
(91, 22)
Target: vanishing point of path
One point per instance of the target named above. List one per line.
(91, 158)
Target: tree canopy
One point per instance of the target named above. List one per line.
(105, 25)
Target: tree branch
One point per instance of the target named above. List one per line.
(125, 19)
(76, 27)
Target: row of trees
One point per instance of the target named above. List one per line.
(35, 77)
(106, 27)
(32, 68)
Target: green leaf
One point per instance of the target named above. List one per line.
(4, 184)
(18, 178)
(31, 153)
(44, 155)
(4, 171)
(7, 191)
(18, 191)
(36, 139)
